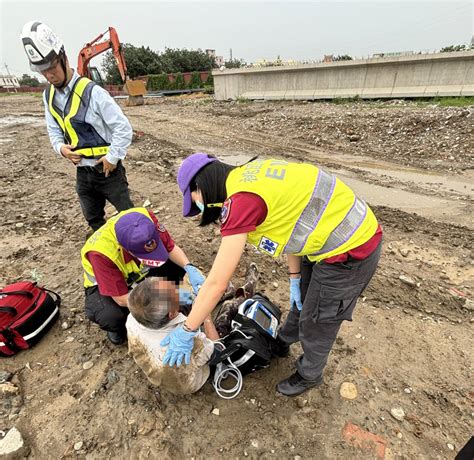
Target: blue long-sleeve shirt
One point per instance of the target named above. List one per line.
(103, 114)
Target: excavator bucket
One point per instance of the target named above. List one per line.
(136, 89)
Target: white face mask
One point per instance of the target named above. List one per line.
(199, 205)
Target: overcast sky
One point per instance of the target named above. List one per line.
(254, 30)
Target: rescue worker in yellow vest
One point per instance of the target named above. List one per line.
(330, 237)
(129, 247)
(85, 125)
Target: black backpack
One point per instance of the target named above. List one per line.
(247, 348)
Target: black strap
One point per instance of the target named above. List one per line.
(10, 310)
(57, 300)
(27, 293)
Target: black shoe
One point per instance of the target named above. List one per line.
(117, 338)
(280, 348)
(294, 385)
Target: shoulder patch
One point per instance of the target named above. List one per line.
(225, 211)
(161, 228)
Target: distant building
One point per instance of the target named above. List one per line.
(328, 58)
(9, 81)
(393, 54)
(219, 60)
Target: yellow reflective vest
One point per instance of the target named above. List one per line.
(72, 120)
(104, 241)
(309, 211)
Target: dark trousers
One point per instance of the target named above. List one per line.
(110, 316)
(94, 189)
(329, 293)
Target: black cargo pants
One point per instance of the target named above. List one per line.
(329, 293)
(110, 316)
(94, 189)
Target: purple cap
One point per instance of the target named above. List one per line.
(138, 235)
(188, 169)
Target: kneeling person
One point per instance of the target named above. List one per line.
(128, 248)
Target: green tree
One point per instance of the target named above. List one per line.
(28, 80)
(139, 60)
(234, 63)
(447, 49)
(342, 57)
(183, 60)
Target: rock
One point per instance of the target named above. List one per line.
(404, 252)
(397, 413)
(354, 138)
(358, 336)
(254, 443)
(146, 203)
(65, 325)
(450, 446)
(19, 225)
(215, 411)
(5, 376)
(348, 390)
(112, 377)
(69, 339)
(275, 284)
(87, 365)
(9, 388)
(13, 446)
(407, 280)
(407, 390)
(78, 445)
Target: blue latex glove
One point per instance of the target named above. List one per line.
(196, 278)
(185, 297)
(180, 345)
(295, 293)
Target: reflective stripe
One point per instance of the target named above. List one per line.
(55, 114)
(76, 101)
(348, 226)
(312, 213)
(92, 152)
(91, 278)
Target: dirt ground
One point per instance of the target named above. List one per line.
(408, 346)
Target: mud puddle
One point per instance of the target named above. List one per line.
(13, 120)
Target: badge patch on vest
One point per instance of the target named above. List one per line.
(162, 228)
(225, 211)
(267, 245)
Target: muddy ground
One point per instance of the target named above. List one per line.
(409, 346)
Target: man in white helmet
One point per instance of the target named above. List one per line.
(85, 125)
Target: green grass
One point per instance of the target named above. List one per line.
(462, 101)
(243, 100)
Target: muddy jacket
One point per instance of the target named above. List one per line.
(309, 212)
(72, 120)
(144, 346)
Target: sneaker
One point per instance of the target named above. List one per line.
(117, 338)
(295, 385)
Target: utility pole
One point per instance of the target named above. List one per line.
(11, 79)
(231, 54)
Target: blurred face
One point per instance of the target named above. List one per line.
(197, 196)
(55, 74)
(172, 295)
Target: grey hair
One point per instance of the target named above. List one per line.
(150, 305)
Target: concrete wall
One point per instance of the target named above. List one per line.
(427, 75)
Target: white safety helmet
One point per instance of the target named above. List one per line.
(42, 45)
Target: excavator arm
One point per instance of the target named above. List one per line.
(135, 88)
(94, 48)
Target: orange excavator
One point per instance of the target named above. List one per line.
(135, 88)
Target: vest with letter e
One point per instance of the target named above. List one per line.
(87, 141)
(104, 241)
(309, 211)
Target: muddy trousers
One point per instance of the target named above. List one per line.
(329, 293)
(94, 189)
(110, 316)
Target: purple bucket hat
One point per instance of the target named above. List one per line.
(188, 169)
(138, 235)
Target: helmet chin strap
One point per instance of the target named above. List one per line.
(62, 60)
